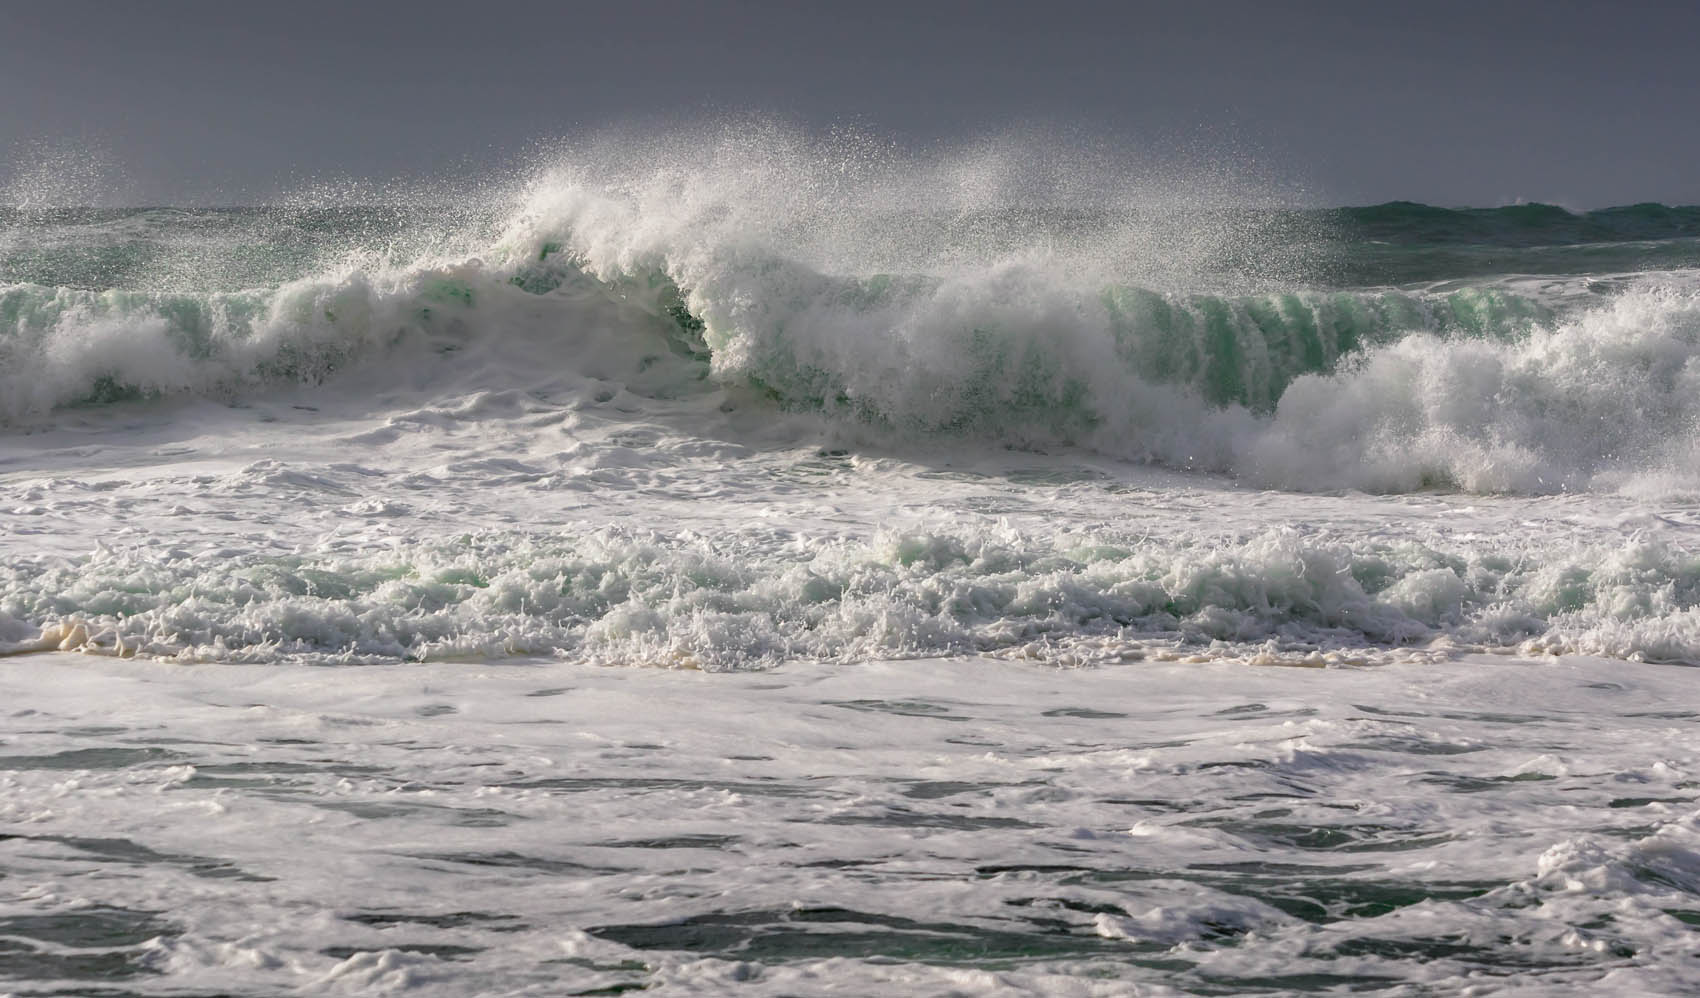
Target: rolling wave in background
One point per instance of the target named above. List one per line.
(1322, 349)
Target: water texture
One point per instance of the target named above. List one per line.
(734, 560)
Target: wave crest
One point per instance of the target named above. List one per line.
(912, 301)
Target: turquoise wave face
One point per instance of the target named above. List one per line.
(1247, 350)
(1011, 337)
(1229, 350)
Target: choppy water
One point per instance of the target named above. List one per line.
(980, 490)
(934, 827)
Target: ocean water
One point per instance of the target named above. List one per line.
(777, 566)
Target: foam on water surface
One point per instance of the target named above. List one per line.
(934, 827)
(490, 524)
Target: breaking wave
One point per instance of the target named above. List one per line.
(913, 300)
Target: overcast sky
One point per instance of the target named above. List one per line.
(1584, 104)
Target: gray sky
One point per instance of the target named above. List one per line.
(1584, 104)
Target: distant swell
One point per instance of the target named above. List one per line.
(1523, 224)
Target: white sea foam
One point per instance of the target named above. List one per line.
(933, 827)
